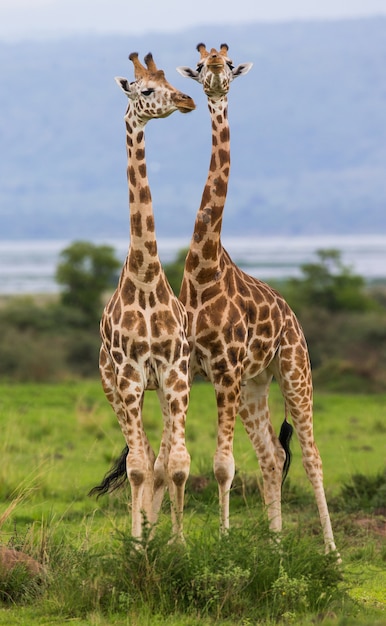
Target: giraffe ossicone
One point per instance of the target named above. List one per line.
(143, 327)
(241, 332)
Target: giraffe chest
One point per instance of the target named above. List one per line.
(145, 343)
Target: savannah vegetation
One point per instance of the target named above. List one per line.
(59, 437)
(343, 319)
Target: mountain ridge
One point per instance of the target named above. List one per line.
(308, 133)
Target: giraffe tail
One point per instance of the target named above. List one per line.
(114, 478)
(285, 437)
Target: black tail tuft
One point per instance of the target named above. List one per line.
(285, 440)
(114, 478)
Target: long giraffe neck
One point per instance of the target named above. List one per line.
(143, 261)
(205, 249)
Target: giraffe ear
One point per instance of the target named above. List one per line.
(241, 69)
(187, 72)
(124, 84)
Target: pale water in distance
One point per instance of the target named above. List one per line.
(28, 267)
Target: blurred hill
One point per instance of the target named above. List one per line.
(308, 133)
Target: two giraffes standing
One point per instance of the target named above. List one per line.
(231, 328)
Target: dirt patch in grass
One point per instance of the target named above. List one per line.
(376, 525)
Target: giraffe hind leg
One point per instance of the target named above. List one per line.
(270, 452)
(292, 370)
(300, 407)
(312, 463)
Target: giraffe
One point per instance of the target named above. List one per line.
(242, 333)
(143, 326)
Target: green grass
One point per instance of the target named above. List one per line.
(58, 441)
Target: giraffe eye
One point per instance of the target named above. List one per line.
(199, 67)
(231, 67)
(147, 92)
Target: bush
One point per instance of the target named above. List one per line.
(330, 285)
(364, 493)
(243, 575)
(46, 342)
(17, 585)
(175, 270)
(347, 350)
(86, 271)
(30, 356)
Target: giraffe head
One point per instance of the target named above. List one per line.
(215, 71)
(150, 95)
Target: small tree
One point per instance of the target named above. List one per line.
(330, 285)
(86, 271)
(174, 270)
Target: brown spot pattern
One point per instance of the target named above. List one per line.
(243, 333)
(143, 325)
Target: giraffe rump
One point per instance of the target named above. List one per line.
(115, 477)
(285, 437)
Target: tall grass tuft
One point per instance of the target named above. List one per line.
(21, 579)
(18, 586)
(244, 575)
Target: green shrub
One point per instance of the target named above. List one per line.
(18, 586)
(330, 285)
(175, 270)
(30, 356)
(364, 493)
(245, 575)
(46, 343)
(85, 272)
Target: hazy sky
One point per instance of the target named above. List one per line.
(20, 19)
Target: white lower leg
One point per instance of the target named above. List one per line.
(224, 471)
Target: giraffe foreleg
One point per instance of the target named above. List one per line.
(140, 459)
(173, 462)
(161, 479)
(178, 470)
(224, 471)
(227, 398)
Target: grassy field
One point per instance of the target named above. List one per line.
(59, 440)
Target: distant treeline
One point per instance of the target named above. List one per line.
(344, 321)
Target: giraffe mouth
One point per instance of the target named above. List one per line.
(215, 66)
(186, 109)
(184, 104)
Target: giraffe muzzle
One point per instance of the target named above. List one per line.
(215, 66)
(184, 103)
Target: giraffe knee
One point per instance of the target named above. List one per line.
(179, 478)
(223, 475)
(159, 480)
(136, 477)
